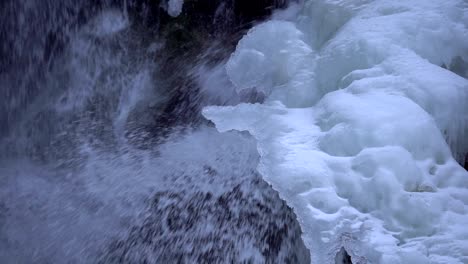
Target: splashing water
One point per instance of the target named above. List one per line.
(104, 157)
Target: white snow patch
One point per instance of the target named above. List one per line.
(361, 125)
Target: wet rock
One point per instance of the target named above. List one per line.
(198, 227)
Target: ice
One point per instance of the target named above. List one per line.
(362, 125)
(270, 68)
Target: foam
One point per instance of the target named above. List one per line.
(174, 7)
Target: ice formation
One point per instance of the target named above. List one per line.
(361, 125)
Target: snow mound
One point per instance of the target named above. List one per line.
(362, 121)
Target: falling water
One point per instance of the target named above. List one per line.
(104, 155)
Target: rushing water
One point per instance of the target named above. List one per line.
(104, 155)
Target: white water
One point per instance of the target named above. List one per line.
(73, 186)
(174, 7)
(361, 125)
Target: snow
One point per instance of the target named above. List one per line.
(361, 125)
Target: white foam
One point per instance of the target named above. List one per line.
(174, 7)
(361, 124)
(109, 22)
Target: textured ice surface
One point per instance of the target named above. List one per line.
(361, 125)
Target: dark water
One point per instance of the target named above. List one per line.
(104, 157)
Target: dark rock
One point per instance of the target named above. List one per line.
(195, 228)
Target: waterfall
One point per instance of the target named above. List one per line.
(105, 156)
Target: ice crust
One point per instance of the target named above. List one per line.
(361, 125)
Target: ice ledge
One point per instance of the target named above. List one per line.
(357, 142)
